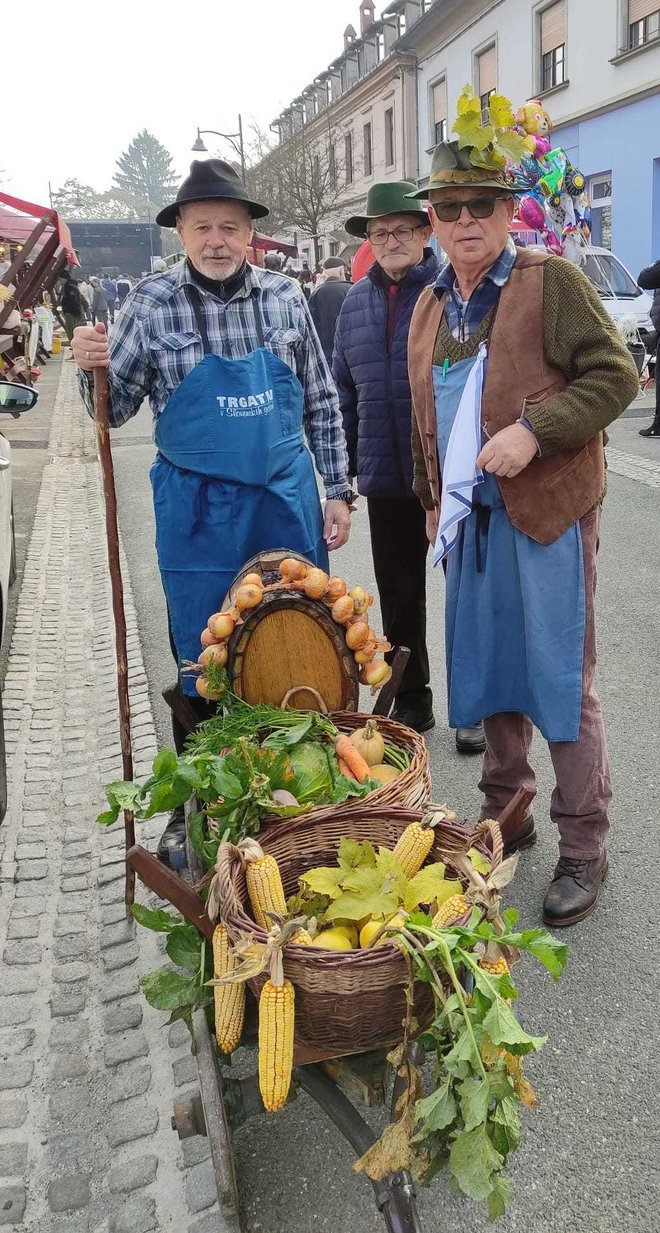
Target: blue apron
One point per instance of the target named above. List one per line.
(515, 609)
(232, 477)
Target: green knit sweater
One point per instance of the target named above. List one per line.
(581, 340)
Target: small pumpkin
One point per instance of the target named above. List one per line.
(369, 743)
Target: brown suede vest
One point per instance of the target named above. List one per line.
(550, 494)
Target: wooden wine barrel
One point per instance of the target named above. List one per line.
(289, 641)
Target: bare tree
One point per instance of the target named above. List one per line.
(303, 181)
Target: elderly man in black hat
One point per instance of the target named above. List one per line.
(233, 369)
(370, 367)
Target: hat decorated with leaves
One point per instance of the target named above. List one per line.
(482, 151)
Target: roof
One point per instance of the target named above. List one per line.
(17, 222)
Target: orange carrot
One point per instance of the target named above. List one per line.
(345, 769)
(347, 751)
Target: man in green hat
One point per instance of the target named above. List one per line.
(516, 371)
(370, 367)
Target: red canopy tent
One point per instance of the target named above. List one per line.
(45, 248)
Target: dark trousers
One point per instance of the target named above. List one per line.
(111, 311)
(399, 546)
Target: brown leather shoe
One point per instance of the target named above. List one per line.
(524, 837)
(573, 892)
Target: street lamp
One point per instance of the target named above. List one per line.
(234, 139)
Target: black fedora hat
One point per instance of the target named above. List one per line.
(210, 179)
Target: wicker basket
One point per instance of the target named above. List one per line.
(346, 1002)
(412, 788)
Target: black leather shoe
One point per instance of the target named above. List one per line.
(524, 837)
(652, 431)
(573, 892)
(420, 718)
(171, 848)
(471, 740)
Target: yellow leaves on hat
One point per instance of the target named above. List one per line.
(492, 144)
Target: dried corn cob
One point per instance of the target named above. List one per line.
(451, 911)
(264, 884)
(301, 938)
(496, 967)
(276, 1021)
(229, 999)
(413, 847)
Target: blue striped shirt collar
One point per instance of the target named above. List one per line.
(498, 273)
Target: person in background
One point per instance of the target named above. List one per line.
(516, 370)
(649, 280)
(326, 301)
(235, 403)
(110, 287)
(123, 288)
(99, 303)
(273, 261)
(370, 367)
(72, 304)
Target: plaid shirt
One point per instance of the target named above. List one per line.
(464, 318)
(155, 344)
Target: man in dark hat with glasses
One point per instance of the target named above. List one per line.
(238, 383)
(370, 367)
(516, 370)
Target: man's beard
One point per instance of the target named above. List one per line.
(219, 273)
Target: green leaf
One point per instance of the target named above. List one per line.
(223, 782)
(425, 886)
(188, 772)
(166, 796)
(165, 764)
(499, 1197)
(352, 854)
(197, 832)
(463, 1057)
(507, 1116)
(283, 738)
(489, 985)
(184, 947)
(109, 817)
(478, 861)
(124, 793)
(511, 916)
(549, 951)
(474, 1095)
(446, 890)
(324, 881)
(155, 918)
(503, 1028)
(168, 989)
(472, 1161)
(437, 1110)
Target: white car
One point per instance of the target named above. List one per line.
(618, 290)
(14, 400)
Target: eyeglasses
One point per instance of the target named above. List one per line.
(401, 235)
(477, 207)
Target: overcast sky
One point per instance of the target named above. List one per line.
(85, 78)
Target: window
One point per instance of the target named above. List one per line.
(643, 22)
(401, 25)
(486, 78)
(348, 157)
(368, 153)
(334, 248)
(380, 46)
(600, 192)
(553, 45)
(609, 277)
(332, 166)
(389, 137)
(439, 111)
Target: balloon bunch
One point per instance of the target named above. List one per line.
(555, 202)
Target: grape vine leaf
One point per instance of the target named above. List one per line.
(352, 854)
(472, 1161)
(425, 886)
(324, 881)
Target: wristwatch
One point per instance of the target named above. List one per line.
(348, 496)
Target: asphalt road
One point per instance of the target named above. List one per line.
(589, 1161)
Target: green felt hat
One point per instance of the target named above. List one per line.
(451, 167)
(392, 197)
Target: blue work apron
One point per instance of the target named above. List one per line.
(232, 477)
(515, 609)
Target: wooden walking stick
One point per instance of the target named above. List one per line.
(112, 536)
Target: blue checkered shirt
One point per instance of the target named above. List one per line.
(464, 318)
(155, 344)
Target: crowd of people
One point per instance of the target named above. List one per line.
(469, 415)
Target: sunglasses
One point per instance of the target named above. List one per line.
(477, 207)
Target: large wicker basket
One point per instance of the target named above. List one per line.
(412, 788)
(346, 1002)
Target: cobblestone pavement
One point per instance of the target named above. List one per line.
(87, 1073)
(644, 470)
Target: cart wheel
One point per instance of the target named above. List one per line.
(400, 1211)
(218, 1129)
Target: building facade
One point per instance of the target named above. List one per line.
(360, 114)
(596, 66)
